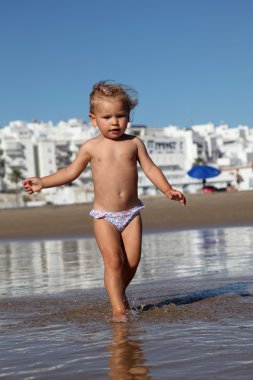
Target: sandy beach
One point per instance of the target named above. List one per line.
(203, 210)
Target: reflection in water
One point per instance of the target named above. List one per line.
(60, 265)
(126, 360)
(197, 253)
(49, 266)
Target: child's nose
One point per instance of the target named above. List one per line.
(115, 121)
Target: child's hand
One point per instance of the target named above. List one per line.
(32, 185)
(176, 195)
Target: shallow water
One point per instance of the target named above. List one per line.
(193, 310)
(46, 267)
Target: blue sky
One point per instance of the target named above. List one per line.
(191, 61)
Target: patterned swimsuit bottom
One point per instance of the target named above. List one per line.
(120, 218)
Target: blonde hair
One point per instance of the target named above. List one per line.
(105, 89)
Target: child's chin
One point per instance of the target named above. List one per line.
(114, 136)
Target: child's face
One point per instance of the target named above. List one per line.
(111, 117)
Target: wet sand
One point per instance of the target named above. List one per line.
(203, 210)
(210, 299)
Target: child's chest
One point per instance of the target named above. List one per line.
(121, 152)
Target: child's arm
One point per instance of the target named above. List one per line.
(156, 176)
(62, 176)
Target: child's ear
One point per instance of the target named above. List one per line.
(93, 119)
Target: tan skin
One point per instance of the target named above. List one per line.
(113, 156)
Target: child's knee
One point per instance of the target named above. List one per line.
(115, 263)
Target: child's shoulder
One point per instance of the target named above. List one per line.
(91, 142)
(89, 145)
(135, 139)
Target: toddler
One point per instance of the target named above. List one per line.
(113, 156)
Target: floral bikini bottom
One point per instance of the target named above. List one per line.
(120, 218)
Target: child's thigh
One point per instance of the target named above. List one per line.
(108, 239)
(132, 239)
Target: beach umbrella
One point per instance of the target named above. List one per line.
(203, 171)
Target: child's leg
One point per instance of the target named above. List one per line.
(132, 238)
(110, 244)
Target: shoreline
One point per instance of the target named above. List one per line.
(159, 214)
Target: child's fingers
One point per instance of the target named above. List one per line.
(29, 190)
(26, 186)
(27, 182)
(183, 199)
(179, 197)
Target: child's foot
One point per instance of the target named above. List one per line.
(120, 317)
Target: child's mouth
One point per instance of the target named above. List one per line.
(115, 130)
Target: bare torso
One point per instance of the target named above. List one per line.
(114, 171)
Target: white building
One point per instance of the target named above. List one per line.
(230, 149)
(172, 149)
(39, 149)
(17, 151)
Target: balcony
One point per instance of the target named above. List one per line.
(13, 153)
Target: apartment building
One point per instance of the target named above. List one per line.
(38, 149)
